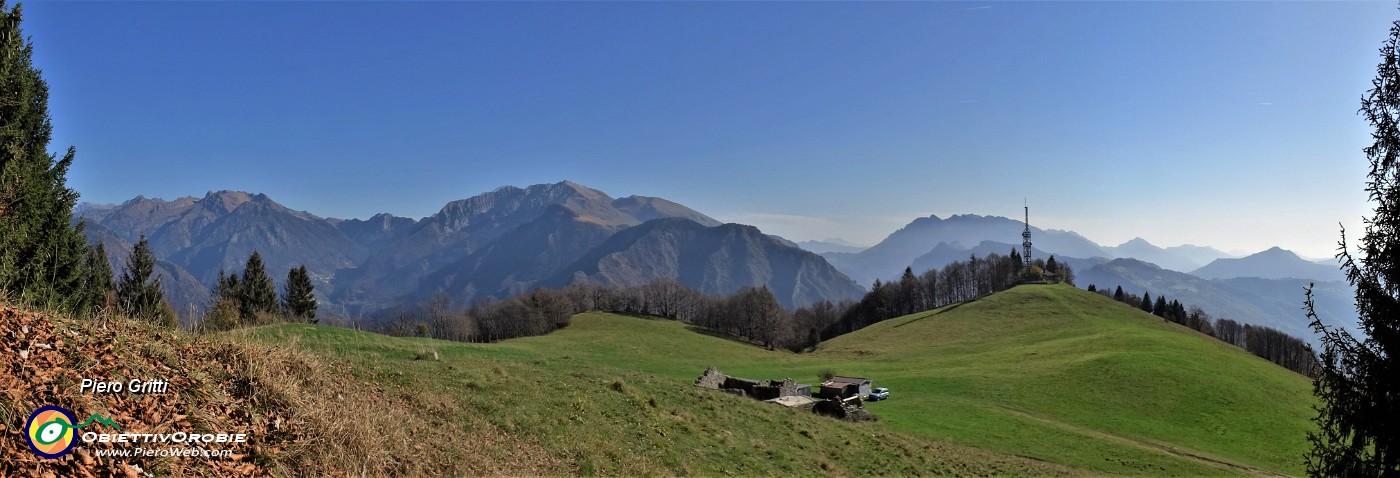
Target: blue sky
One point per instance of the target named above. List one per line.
(1227, 124)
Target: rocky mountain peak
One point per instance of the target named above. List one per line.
(226, 200)
(1137, 242)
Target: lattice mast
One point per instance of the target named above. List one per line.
(1026, 240)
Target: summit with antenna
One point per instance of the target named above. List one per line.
(1026, 240)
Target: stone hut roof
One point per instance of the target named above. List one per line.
(842, 381)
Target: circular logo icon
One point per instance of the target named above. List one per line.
(50, 431)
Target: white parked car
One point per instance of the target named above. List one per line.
(880, 393)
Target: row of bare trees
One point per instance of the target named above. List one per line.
(537, 312)
(751, 314)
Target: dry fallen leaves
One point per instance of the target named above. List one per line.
(47, 369)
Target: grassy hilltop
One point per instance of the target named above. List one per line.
(1075, 378)
(1045, 372)
(1037, 380)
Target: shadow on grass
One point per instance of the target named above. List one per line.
(641, 316)
(937, 312)
(717, 334)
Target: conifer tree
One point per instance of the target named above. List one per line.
(223, 313)
(41, 251)
(1118, 294)
(880, 300)
(1358, 377)
(98, 285)
(1146, 305)
(256, 292)
(225, 287)
(299, 299)
(138, 298)
(1160, 308)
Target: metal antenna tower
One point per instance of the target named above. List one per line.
(1026, 240)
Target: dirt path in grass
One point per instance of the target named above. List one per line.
(1177, 452)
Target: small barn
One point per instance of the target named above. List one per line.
(842, 387)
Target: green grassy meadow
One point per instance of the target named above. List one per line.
(1037, 380)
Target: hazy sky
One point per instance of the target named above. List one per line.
(1227, 124)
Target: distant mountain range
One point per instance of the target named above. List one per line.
(488, 246)
(1264, 288)
(1274, 263)
(1275, 303)
(888, 259)
(1180, 258)
(510, 240)
(831, 245)
(943, 239)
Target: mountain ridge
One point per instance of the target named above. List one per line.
(1272, 263)
(711, 259)
(887, 259)
(831, 245)
(1184, 258)
(490, 245)
(465, 226)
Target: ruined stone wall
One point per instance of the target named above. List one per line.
(711, 379)
(758, 389)
(850, 408)
(787, 387)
